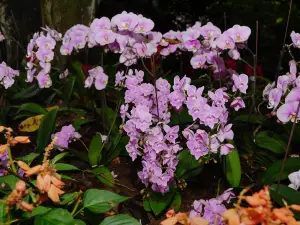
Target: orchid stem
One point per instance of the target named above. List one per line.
(287, 151)
(76, 206)
(11, 160)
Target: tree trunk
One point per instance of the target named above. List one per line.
(63, 14)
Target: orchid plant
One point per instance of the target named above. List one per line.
(171, 125)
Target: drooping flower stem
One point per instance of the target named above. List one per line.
(11, 160)
(287, 151)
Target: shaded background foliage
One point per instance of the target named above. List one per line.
(19, 19)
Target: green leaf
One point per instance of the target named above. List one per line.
(176, 201)
(95, 150)
(187, 162)
(118, 149)
(68, 198)
(79, 222)
(27, 92)
(29, 158)
(69, 89)
(100, 201)
(59, 157)
(79, 122)
(104, 175)
(46, 129)
(121, 219)
(256, 119)
(65, 167)
(3, 211)
(79, 112)
(37, 211)
(80, 75)
(55, 217)
(290, 195)
(232, 167)
(32, 107)
(146, 204)
(271, 141)
(159, 202)
(63, 176)
(272, 173)
(10, 179)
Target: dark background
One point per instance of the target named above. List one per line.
(19, 19)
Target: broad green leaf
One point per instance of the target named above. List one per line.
(59, 157)
(63, 176)
(159, 202)
(290, 195)
(52, 107)
(68, 198)
(27, 93)
(32, 107)
(69, 89)
(55, 217)
(121, 219)
(271, 141)
(3, 211)
(187, 162)
(29, 158)
(79, 75)
(10, 179)
(46, 129)
(146, 204)
(65, 167)
(176, 201)
(37, 211)
(79, 122)
(95, 150)
(79, 222)
(232, 168)
(100, 201)
(31, 124)
(104, 175)
(272, 173)
(119, 149)
(79, 112)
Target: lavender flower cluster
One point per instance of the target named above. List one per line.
(146, 114)
(287, 87)
(4, 160)
(40, 53)
(131, 35)
(96, 77)
(146, 125)
(206, 42)
(213, 208)
(7, 75)
(210, 111)
(65, 136)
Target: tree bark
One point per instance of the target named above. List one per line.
(63, 14)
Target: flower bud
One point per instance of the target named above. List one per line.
(3, 148)
(33, 170)
(26, 206)
(22, 139)
(20, 186)
(23, 165)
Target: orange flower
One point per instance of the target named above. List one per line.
(23, 165)
(33, 170)
(22, 139)
(231, 216)
(3, 148)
